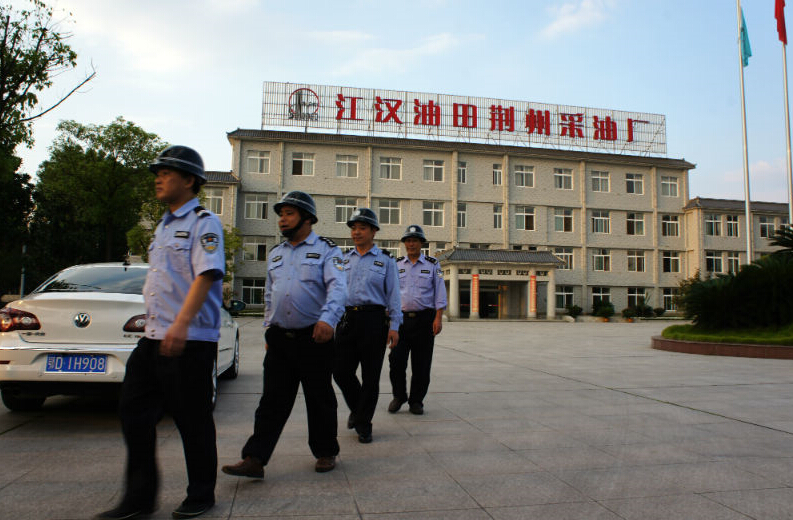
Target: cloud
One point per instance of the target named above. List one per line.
(575, 15)
(338, 38)
(378, 60)
(767, 182)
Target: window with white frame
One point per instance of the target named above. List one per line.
(563, 178)
(713, 262)
(766, 227)
(498, 215)
(302, 163)
(600, 295)
(392, 246)
(733, 262)
(433, 170)
(388, 211)
(564, 296)
(524, 176)
(563, 220)
(635, 261)
(253, 291)
(462, 172)
(669, 295)
(670, 225)
(391, 168)
(497, 175)
(214, 200)
(601, 221)
(346, 166)
(601, 260)
(634, 183)
(440, 246)
(524, 218)
(425, 249)
(668, 186)
(256, 206)
(600, 181)
(636, 296)
(344, 208)
(433, 213)
(713, 225)
(345, 244)
(635, 224)
(478, 245)
(670, 261)
(565, 254)
(732, 226)
(258, 161)
(462, 214)
(254, 249)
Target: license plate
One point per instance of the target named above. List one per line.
(77, 363)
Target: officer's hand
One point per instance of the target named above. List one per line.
(393, 339)
(173, 343)
(322, 332)
(437, 325)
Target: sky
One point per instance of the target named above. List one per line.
(191, 71)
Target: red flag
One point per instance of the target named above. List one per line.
(779, 14)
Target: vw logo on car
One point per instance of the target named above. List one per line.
(82, 320)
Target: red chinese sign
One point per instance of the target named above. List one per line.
(415, 114)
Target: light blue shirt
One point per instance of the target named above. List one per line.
(305, 284)
(421, 284)
(372, 280)
(186, 243)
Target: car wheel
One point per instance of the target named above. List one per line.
(234, 370)
(19, 403)
(214, 383)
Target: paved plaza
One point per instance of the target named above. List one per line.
(524, 420)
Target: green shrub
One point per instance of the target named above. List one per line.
(629, 312)
(603, 309)
(574, 310)
(659, 311)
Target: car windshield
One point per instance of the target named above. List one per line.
(104, 279)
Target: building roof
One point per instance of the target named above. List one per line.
(735, 205)
(396, 142)
(222, 177)
(498, 256)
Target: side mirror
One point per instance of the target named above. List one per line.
(236, 305)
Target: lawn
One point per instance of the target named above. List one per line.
(763, 336)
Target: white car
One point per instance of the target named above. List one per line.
(75, 332)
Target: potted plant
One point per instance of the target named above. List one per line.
(604, 310)
(574, 311)
(629, 313)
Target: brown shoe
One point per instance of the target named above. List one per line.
(325, 464)
(395, 405)
(251, 467)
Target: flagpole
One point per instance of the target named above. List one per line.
(747, 204)
(787, 141)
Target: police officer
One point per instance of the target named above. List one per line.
(304, 299)
(423, 301)
(370, 323)
(171, 367)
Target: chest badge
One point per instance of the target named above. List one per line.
(182, 234)
(210, 242)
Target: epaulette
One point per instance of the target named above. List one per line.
(400, 258)
(387, 253)
(201, 211)
(328, 241)
(431, 259)
(158, 222)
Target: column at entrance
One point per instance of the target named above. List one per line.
(474, 293)
(551, 298)
(532, 299)
(454, 292)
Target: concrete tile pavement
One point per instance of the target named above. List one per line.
(524, 420)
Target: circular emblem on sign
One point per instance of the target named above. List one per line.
(82, 320)
(304, 105)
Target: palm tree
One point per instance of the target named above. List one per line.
(784, 239)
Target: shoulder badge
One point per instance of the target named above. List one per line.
(210, 242)
(328, 241)
(338, 263)
(400, 258)
(431, 259)
(201, 212)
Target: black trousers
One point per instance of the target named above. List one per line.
(417, 341)
(182, 386)
(294, 359)
(361, 339)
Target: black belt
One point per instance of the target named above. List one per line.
(365, 308)
(416, 314)
(294, 333)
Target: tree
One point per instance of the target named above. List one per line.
(15, 212)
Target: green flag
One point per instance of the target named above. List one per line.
(746, 49)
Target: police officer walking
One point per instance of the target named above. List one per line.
(370, 323)
(304, 299)
(171, 367)
(423, 301)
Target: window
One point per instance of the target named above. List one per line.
(601, 222)
(258, 161)
(302, 163)
(670, 226)
(214, 197)
(635, 224)
(524, 176)
(713, 225)
(390, 168)
(425, 249)
(462, 172)
(498, 213)
(669, 186)
(565, 254)
(564, 296)
(345, 244)
(462, 211)
(392, 246)
(388, 211)
(524, 217)
(255, 206)
(344, 208)
(766, 227)
(563, 178)
(600, 181)
(563, 220)
(254, 249)
(733, 262)
(517, 247)
(476, 245)
(496, 175)
(634, 183)
(600, 295)
(635, 261)
(346, 166)
(670, 262)
(440, 246)
(433, 170)
(601, 260)
(433, 213)
(636, 296)
(253, 291)
(713, 261)
(732, 225)
(669, 298)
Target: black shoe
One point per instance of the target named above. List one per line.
(123, 512)
(395, 405)
(417, 408)
(251, 467)
(351, 422)
(192, 508)
(364, 438)
(325, 464)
